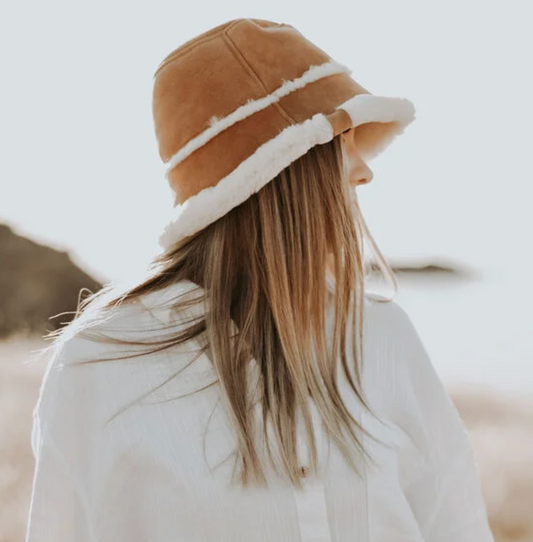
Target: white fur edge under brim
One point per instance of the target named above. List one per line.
(275, 155)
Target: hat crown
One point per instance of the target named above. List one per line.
(257, 39)
(210, 76)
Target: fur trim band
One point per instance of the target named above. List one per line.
(273, 156)
(314, 73)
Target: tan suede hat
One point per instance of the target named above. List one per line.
(237, 104)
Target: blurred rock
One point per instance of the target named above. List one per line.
(438, 267)
(37, 283)
(435, 268)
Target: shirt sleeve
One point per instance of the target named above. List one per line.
(445, 492)
(96, 475)
(59, 509)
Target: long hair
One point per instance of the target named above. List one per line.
(261, 268)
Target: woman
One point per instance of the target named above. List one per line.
(224, 397)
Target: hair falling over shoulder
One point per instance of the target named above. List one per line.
(261, 268)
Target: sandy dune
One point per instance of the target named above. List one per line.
(501, 430)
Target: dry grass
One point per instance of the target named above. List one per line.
(19, 387)
(501, 430)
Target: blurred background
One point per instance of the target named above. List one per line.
(83, 197)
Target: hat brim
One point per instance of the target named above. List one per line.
(378, 119)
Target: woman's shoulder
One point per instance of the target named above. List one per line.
(107, 356)
(392, 342)
(161, 303)
(135, 318)
(386, 315)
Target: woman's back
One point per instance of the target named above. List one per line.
(160, 470)
(263, 155)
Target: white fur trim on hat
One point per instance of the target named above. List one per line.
(248, 177)
(272, 157)
(217, 125)
(365, 108)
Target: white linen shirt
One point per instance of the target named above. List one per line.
(149, 475)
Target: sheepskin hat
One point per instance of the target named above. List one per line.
(237, 104)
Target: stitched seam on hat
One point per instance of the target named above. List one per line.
(183, 49)
(242, 59)
(183, 52)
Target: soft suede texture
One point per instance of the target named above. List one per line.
(229, 67)
(222, 154)
(224, 68)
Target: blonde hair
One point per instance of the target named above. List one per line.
(262, 268)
